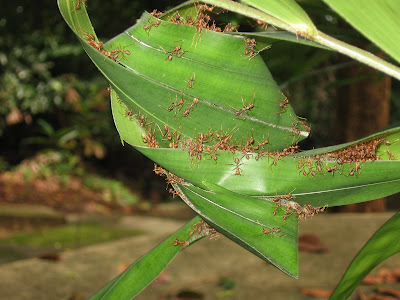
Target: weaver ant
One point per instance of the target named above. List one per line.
(176, 104)
(187, 110)
(237, 169)
(183, 244)
(283, 104)
(177, 51)
(147, 28)
(272, 230)
(284, 197)
(191, 81)
(114, 53)
(78, 4)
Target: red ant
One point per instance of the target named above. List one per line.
(250, 46)
(187, 110)
(156, 13)
(128, 112)
(309, 163)
(284, 197)
(173, 192)
(191, 81)
(318, 162)
(237, 162)
(177, 51)
(204, 7)
(176, 104)
(261, 144)
(272, 230)
(294, 128)
(183, 244)
(301, 165)
(115, 53)
(229, 28)
(142, 120)
(283, 104)
(147, 28)
(333, 169)
(78, 4)
(264, 25)
(245, 108)
(159, 170)
(90, 39)
(211, 152)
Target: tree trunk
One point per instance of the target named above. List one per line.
(362, 108)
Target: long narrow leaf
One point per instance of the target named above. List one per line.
(142, 272)
(383, 244)
(288, 11)
(377, 20)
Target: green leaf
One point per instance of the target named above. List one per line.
(287, 11)
(224, 81)
(383, 244)
(142, 272)
(377, 20)
(244, 219)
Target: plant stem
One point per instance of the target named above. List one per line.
(358, 54)
(321, 38)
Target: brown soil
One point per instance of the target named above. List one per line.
(68, 197)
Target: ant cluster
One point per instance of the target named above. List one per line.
(278, 154)
(208, 144)
(307, 211)
(202, 20)
(155, 14)
(179, 105)
(170, 178)
(304, 34)
(150, 139)
(365, 151)
(113, 54)
(302, 123)
(250, 47)
(358, 153)
(196, 146)
(309, 166)
(202, 228)
(249, 147)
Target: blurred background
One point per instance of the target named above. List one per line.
(60, 149)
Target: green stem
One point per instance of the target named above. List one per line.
(358, 54)
(321, 38)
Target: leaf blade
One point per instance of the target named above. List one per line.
(383, 244)
(377, 20)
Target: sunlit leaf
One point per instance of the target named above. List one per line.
(143, 271)
(288, 11)
(382, 245)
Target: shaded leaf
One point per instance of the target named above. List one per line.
(377, 20)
